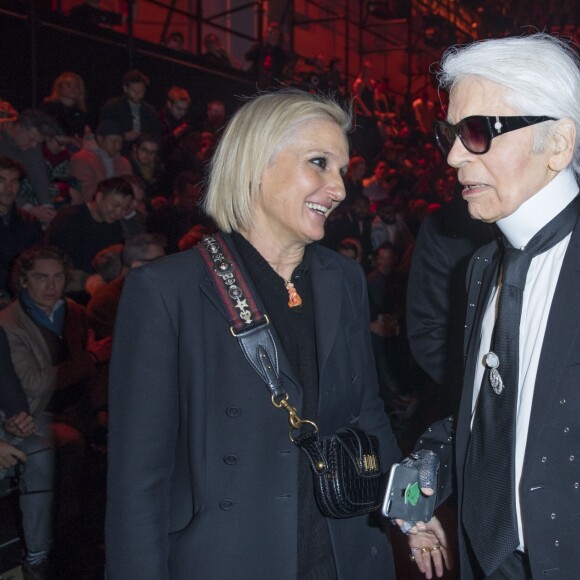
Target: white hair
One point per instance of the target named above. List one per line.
(540, 72)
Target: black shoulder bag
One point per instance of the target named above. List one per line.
(346, 465)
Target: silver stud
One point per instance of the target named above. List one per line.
(557, 543)
(576, 485)
(553, 516)
(471, 305)
(562, 401)
(544, 459)
(571, 458)
(566, 429)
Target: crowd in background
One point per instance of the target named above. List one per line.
(85, 196)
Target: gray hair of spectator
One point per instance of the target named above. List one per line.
(118, 185)
(540, 72)
(9, 164)
(251, 141)
(136, 248)
(46, 125)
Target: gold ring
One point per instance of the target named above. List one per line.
(436, 547)
(425, 550)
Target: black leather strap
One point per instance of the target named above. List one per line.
(253, 330)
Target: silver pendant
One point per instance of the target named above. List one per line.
(492, 362)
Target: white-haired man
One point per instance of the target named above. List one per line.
(512, 134)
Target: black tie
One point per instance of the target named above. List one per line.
(489, 510)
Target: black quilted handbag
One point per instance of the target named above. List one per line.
(347, 471)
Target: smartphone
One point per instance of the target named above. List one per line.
(404, 499)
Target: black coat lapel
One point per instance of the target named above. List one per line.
(327, 292)
(560, 337)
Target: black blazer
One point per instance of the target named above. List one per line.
(550, 483)
(202, 474)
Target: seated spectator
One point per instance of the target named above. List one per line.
(175, 41)
(215, 55)
(135, 220)
(54, 356)
(20, 139)
(269, 59)
(351, 221)
(334, 78)
(102, 161)
(18, 229)
(102, 307)
(130, 111)
(351, 248)
(378, 187)
(215, 117)
(425, 114)
(56, 152)
(66, 104)
(353, 181)
(386, 289)
(173, 118)
(175, 219)
(30, 458)
(80, 231)
(389, 226)
(185, 157)
(315, 77)
(144, 159)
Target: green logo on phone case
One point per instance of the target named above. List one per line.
(412, 494)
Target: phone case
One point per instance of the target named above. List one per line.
(403, 498)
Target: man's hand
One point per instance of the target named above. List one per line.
(430, 549)
(43, 213)
(21, 425)
(10, 455)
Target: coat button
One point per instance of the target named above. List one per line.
(233, 412)
(230, 459)
(374, 551)
(226, 505)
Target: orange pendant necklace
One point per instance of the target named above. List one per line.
(293, 296)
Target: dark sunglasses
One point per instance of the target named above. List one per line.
(476, 132)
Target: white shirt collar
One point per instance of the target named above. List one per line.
(521, 226)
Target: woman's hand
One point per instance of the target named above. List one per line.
(429, 548)
(21, 425)
(10, 455)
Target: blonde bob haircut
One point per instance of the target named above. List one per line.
(252, 139)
